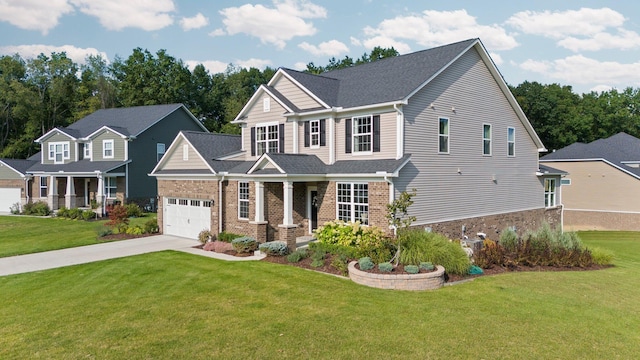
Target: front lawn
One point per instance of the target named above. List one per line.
(171, 305)
(24, 234)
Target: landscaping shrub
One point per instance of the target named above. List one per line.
(317, 263)
(385, 267)
(509, 239)
(38, 208)
(601, 256)
(204, 236)
(421, 246)
(88, 215)
(348, 252)
(297, 255)
(134, 230)
(15, 209)
(412, 269)
(244, 244)
(274, 248)
(62, 212)
(118, 218)
(74, 214)
(490, 255)
(367, 241)
(365, 263)
(426, 266)
(218, 246)
(133, 210)
(227, 236)
(103, 231)
(151, 226)
(340, 263)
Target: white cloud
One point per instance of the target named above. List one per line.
(624, 40)
(213, 66)
(119, 14)
(255, 63)
(273, 25)
(195, 22)
(300, 66)
(217, 32)
(34, 15)
(328, 48)
(387, 42)
(497, 59)
(433, 28)
(355, 41)
(601, 88)
(76, 54)
(578, 69)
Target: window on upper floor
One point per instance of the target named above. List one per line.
(243, 200)
(87, 151)
(110, 187)
(43, 187)
(160, 149)
(59, 151)
(549, 192)
(266, 104)
(362, 134)
(185, 152)
(267, 138)
(314, 133)
(352, 202)
(443, 135)
(486, 139)
(511, 141)
(107, 149)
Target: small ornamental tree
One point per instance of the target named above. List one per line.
(399, 218)
(118, 218)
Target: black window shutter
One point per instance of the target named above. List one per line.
(306, 134)
(347, 136)
(253, 141)
(322, 132)
(281, 137)
(376, 133)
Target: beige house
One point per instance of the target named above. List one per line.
(603, 185)
(343, 144)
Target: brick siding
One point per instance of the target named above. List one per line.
(189, 189)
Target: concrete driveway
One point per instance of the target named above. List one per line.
(90, 253)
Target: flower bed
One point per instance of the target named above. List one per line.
(423, 281)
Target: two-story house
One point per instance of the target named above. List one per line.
(103, 157)
(343, 144)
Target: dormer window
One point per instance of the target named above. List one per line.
(107, 149)
(59, 152)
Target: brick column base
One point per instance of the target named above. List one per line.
(288, 235)
(260, 230)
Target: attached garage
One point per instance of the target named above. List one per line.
(186, 217)
(8, 197)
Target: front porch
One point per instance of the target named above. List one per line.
(80, 191)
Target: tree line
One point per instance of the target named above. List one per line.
(39, 94)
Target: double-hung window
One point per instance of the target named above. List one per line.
(43, 186)
(267, 140)
(362, 133)
(353, 202)
(314, 133)
(110, 187)
(59, 152)
(511, 141)
(107, 149)
(549, 192)
(443, 136)
(486, 139)
(87, 151)
(243, 200)
(160, 149)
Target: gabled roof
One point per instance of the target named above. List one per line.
(548, 170)
(620, 150)
(389, 166)
(20, 166)
(289, 164)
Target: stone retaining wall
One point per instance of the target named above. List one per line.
(424, 281)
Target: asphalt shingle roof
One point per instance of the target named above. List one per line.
(214, 146)
(20, 165)
(81, 166)
(381, 81)
(616, 149)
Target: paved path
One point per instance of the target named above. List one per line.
(90, 253)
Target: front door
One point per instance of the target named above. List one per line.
(314, 209)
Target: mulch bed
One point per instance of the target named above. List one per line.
(113, 237)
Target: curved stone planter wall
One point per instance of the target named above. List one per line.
(424, 281)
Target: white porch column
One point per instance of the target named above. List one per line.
(259, 201)
(52, 194)
(100, 193)
(70, 195)
(288, 203)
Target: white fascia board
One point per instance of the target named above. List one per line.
(38, 140)
(105, 127)
(253, 99)
(264, 159)
(172, 148)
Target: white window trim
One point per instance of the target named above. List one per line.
(107, 186)
(87, 148)
(511, 142)
(266, 126)
(185, 152)
(311, 133)
(448, 135)
(52, 150)
(354, 151)
(565, 182)
(485, 139)
(548, 194)
(240, 200)
(351, 202)
(44, 186)
(104, 149)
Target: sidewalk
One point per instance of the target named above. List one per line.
(90, 253)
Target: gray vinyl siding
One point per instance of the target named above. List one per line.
(294, 94)
(256, 115)
(388, 142)
(443, 193)
(97, 148)
(176, 160)
(323, 151)
(57, 137)
(6, 173)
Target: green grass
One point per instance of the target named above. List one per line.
(24, 235)
(172, 305)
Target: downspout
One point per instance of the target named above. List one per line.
(391, 197)
(220, 201)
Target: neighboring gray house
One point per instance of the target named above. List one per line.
(343, 144)
(103, 157)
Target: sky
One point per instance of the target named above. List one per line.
(589, 45)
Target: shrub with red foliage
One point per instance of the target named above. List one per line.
(118, 217)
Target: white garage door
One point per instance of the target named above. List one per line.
(8, 197)
(186, 217)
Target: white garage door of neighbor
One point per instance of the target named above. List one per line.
(8, 197)
(186, 217)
